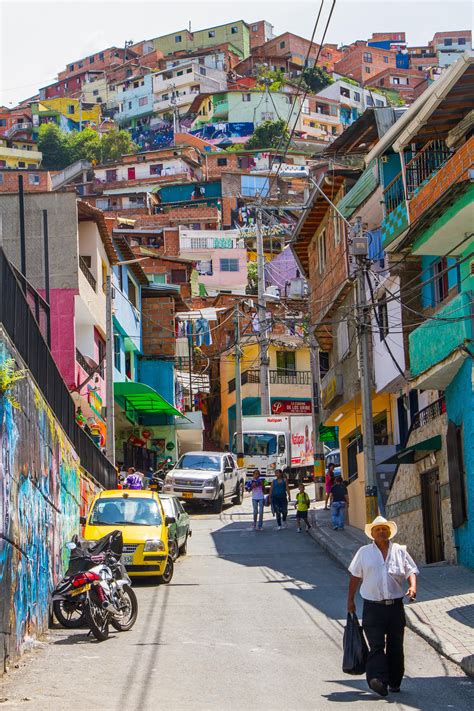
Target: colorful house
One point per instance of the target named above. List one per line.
(69, 114)
(19, 153)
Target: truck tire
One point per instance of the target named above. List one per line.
(239, 494)
(218, 503)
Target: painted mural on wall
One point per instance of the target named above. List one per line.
(149, 139)
(42, 493)
(216, 132)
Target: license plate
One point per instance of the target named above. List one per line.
(187, 495)
(84, 588)
(127, 559)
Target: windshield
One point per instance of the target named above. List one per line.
(260, 444)
(125, 512)
(199, 461)
(167, 506)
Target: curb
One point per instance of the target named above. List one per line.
(342, 556)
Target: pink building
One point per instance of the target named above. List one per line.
(221, 258)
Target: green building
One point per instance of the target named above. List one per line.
(234, 33)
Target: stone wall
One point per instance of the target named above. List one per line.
(43, 491)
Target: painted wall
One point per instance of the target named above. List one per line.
(43, 493)
(159, 375)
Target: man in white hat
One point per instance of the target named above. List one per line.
(381, 568)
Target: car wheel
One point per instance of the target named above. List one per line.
(173, 549)
(184, 548)
(239, 497)
(168, 574)
(218, 503)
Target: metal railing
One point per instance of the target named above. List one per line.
(24, 126)
(20, 324)
(297, 377)
(248, 376)
(89, 369)
(426, 162)
(221, 242)
(394, 194)
(87, 273)
(428, 414)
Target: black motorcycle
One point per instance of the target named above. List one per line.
(96, 589)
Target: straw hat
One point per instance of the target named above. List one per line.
(381, 521)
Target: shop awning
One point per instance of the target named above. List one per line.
(415, 452)
(141, 399)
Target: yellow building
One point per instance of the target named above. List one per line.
(19, 154)
(67, 113)
(290, 382)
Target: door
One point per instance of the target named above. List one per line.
(180, 521)
(131, 174)
(230, 475)
(432, 521)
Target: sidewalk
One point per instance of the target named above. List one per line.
(444, 611)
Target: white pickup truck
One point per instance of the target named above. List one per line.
(209, 477)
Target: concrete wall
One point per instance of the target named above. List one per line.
(43, 492)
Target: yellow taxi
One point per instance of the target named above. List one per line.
(140, 517)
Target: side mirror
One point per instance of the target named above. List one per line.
(82, 520)
(169, 520)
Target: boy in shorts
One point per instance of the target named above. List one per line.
(302, 505)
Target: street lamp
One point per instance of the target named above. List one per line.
(109, 361)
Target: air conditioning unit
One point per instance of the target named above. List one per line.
(297, 288)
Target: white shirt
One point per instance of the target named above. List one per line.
(382, 579)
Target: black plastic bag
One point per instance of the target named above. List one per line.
(355, 647)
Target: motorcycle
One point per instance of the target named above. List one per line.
(96, 590)
(157, 481)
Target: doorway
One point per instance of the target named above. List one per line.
(432, 521)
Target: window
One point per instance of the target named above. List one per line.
(100, 354)
(132, 292)
(131, 173)
(356, 96)
(385, 59)
(211, 33)
(322, 251)
(246, 97)
(178, 276)
(95, 92)
(21, 164)
(71, 67)
(461, 40)
(382, 315)
(202, 70)
(111, 176)
(165, 97)
(381, 436)
(101, 56)
(345, 92)
(222, 161)
(440, 282)
(129, 104)
(367, 57)
(369, 100)
(286, 362)
(143, 101)
(342, 340)
(156, 169)
(378, 102)
(229, 265)
(189, 71)
(70, 109)
(91, 60)
(234, 30)
(395, 80)
(204, 267)
(448, 42)
(254, 28)
(128, 364)
(367, 70)
(117, 359)
(180, 74)
(3, 122)
(282, 45)
(178, 38)
(34, 179)
(253, 184)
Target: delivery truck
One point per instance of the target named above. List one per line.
(278, 442)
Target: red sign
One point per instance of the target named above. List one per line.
(292, 407)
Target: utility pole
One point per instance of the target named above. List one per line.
(109, 371)
(239, 438)
(316, 403)
(262, 312)
(359, 249)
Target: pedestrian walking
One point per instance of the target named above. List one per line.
(339, 503)
(381, 568)
(303, 503)
(133, 480)
(257, 486)
(329, 481)
(279, 498)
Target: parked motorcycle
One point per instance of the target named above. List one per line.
(158, 479)
(96, 590)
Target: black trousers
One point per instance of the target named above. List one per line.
(280, 506)
(384, 627)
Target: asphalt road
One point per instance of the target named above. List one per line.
(250, 621)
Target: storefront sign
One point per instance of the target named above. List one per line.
(331, 390)
(292, 407)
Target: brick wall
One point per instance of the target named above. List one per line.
(454, 171)
(9, 181)
(257, 34)
(158, 326)
(353, 64)
(214, 170)
(171, 242)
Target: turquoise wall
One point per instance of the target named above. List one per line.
(428, 290)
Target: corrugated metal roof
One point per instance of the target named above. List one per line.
(359, 193)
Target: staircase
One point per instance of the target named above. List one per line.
(73, 171)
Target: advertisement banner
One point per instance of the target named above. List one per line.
(292, 407)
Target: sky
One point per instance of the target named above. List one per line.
(38, 39)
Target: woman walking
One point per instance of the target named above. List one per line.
(257, 486)
(329, 483)
(279, 497)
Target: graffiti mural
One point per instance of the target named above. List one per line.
(150, 139)
(42, 493)
(217, 132)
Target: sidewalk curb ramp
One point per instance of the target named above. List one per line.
(343, 551)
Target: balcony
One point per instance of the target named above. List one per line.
(276, 377)
(210, 243)
(87, 273)
(428, 414)
(437, 347)
(19, 127)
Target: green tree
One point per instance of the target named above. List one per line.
(115, 144)
(316, 79)
(53, 145)
(269, 134)
(84, 145)
(252, 278)
(273, 78)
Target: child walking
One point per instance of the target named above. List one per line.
(302, 505)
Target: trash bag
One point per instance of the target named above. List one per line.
(355, 647)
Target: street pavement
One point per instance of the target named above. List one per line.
(250, 621)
